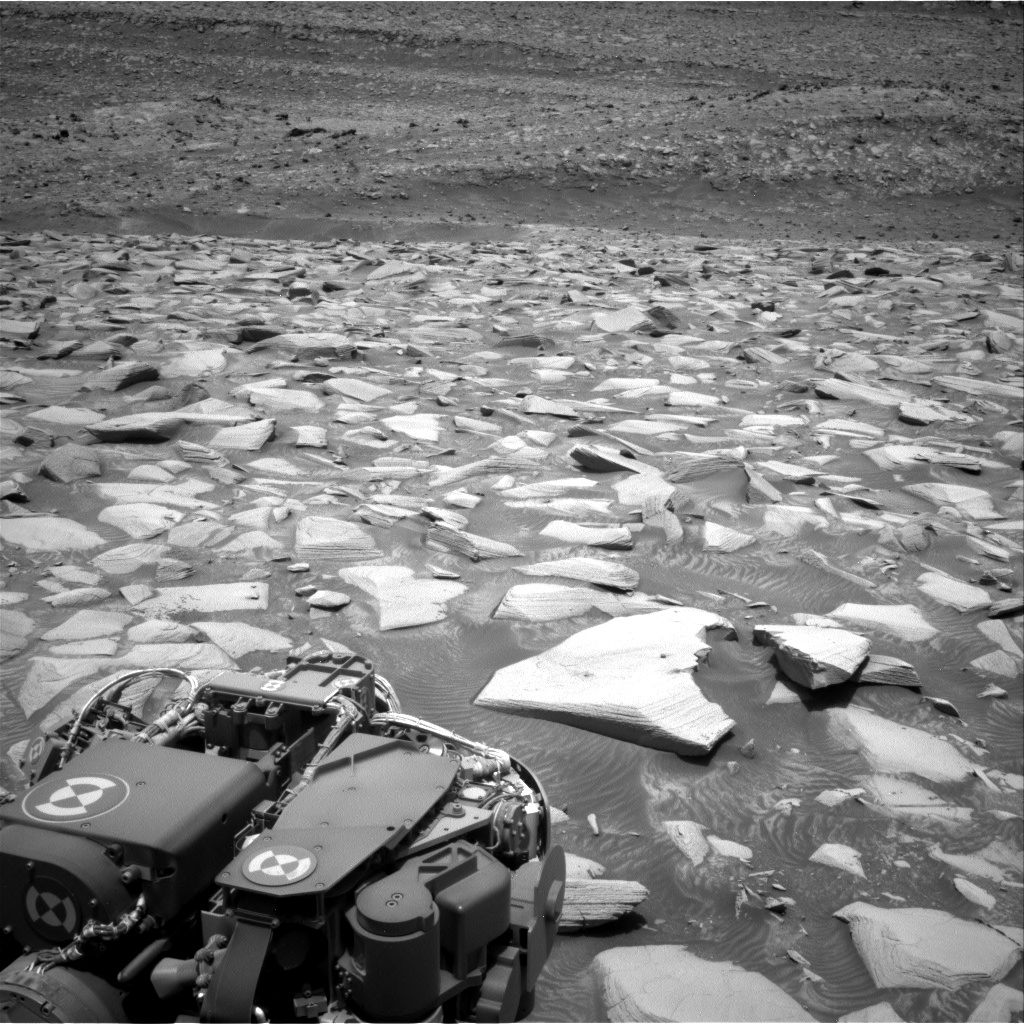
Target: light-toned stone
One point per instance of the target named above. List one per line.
(324, 537)
(141, 519)
(628, 678)
(813, 656)
(546, 602)
(840, 856)
(895, 749)
(902, 620)
(600, 571)
(669, 983)
(689, 838)
(402, 600)
(953, 592)
(48, 533)
(240, 638)
(917, 948)
(213, 597)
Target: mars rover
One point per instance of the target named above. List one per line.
(273, 848)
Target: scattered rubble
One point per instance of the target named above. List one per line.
(217, 469)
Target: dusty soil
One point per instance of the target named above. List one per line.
(744, 120)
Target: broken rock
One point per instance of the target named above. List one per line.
(71, 462)
(813, 656)
(917, 948)
(669, 983)
(894, 749)
(402, 600)
(627, 678)
(903, 620)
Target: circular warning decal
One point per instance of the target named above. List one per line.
(280, 865)
(51, 909)
(74, 799)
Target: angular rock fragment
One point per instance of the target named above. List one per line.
(970, 501)
(79, 596)
(182, 493)
(360, 390)
(328, 600)
(87, 625)
(883, 670)
(323, 537)
(143, 427)
(63, 416)
(279, 400)
(848, 391)
(1001, 1003)
(237, 639)
(698, 465)
(627, 678)
(470, 544)
(669, 983)
(213, 597)
(122, 375)
(813, 656)
(953, 592)
(161, 631)
(545, 602)
(997, 663)
(725, 539)
(917, 948)
(837, 855)
(602, 459)
(310, 437)
(894, 749)
(591, 902)
(201, 533)
(595, 536)
(621, 320)
(902, 620)
(905, 799)
(975, 893)
(729, 848)
(48, 533)
(250, 437)
(978, 386)
(250, 542)
(15, 629)
(688, 836)
(71, 462)
(141, 520)
(600, 571)
(402, 600)
(196, 364)
(420, 426)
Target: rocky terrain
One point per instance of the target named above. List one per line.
(638, 386)
(729, 535)
(752, 120)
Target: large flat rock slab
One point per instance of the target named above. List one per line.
(917, 948)
(48, 533)
(213, 597)
(902, 620)
(894, 749)
(324, 537)
(669, 983)
(627, 678)
(402, 600)
(600, 571)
